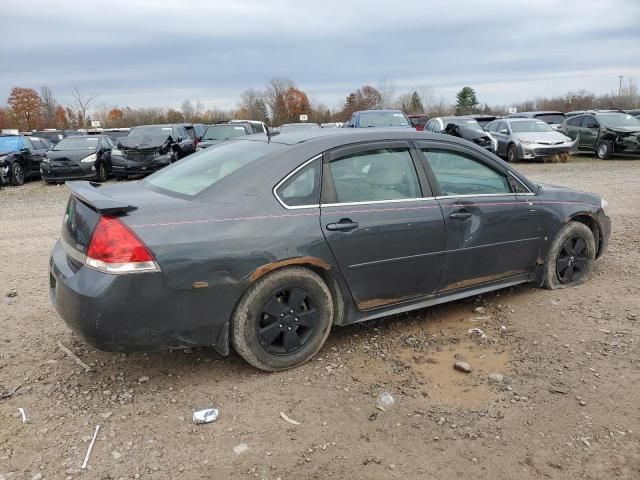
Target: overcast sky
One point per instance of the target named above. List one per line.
(159, 53)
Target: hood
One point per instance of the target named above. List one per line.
(551, 138)
(556, 192)
(210, 143)
(69, 155)
(144, 142)
(625, 130)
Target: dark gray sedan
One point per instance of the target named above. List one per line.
(265, 244)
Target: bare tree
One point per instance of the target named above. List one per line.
(49, 105)
(82, 102)
(188, 111)
(387, 89)
(275, 96)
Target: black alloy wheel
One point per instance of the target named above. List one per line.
(572, 260)
(283, 319)
(286, 321)
(17, 174)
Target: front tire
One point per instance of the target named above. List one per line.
(512, 154)
(283, 319)
(101, 175)
(16, 177)
(571, 257)
(604, 150)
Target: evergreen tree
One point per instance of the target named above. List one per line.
(467, 101)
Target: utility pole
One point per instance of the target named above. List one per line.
(620, 77)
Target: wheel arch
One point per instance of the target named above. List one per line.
(592, 223)
(316, 265)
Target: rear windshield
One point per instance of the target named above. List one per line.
(223, 132)
(201, 170)
(383, 119)
(78, 143)
(551, 118)
(10, 144)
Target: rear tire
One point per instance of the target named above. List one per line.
(571, 257)
(512, 153)
(604, 150)
(16, 176)
(283, 319)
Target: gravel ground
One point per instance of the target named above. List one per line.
(564, 405)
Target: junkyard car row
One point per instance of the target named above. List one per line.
(148, 148)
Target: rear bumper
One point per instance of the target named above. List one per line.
(138, 312)
(122, 167)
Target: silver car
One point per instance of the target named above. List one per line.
(528, 139)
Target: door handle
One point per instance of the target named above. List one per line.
(344, 225)
(460, 215)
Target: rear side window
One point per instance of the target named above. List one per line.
(375, 175)
(302, 188)
(199, 171)
(589, 122)
(458, 174)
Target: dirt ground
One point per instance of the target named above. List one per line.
(567, 405)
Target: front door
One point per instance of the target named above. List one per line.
(589, 132)
(383, 226)
(490, 232)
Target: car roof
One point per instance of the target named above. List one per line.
(520, 119)
(536, 112)
(338, 136)
(382, 110)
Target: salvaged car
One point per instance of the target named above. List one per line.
(54, 136)
(148, 148)
(78, 157)
(265, 244)
(222, 132)
(605, 133)
(528, 139)
(20, 158)
(463, 127)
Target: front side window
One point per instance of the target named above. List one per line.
(375, 175)
(589, 122)
(458, 174)
(302, 188)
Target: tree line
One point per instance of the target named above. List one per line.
(281, 101)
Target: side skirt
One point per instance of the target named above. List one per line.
(437, 299)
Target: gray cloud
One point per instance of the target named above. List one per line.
(153, 52)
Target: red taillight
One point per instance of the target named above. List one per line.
(116, 249)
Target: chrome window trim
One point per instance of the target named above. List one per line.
(468, 195)
(287, 177)
(377, 202)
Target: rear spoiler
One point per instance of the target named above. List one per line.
(88, 193)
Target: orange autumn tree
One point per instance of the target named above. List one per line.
(114, 116)
(296, 104)
(27, 105)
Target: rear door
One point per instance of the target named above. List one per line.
(381, 222)
(500, 131)
(491, 231)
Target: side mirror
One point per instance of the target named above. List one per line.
(24, 150)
